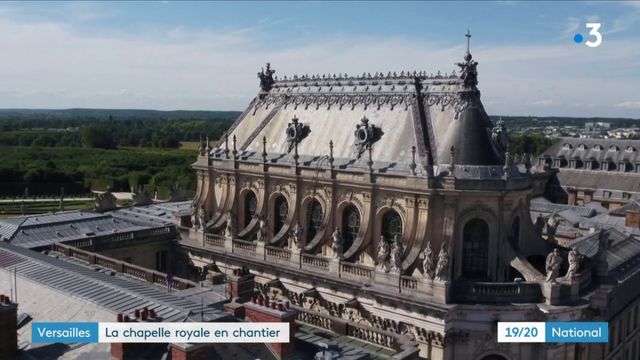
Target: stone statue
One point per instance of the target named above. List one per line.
(230, 231)
(266, 78)
(574, 259)
(396, 254)
(551, 226)
(262, 229)
(383, 255)
(442, 269)
(552, 265)
(202, 218)
(428, 262)
(296, 236)
(195, 220)
(499, 136)
(336, 245)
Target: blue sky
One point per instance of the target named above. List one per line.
(205, 55)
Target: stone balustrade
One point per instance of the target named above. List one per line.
(278, 253)
(357, 271)
(491, 292)
(124, 239)
(214, 240)
(316, 262)
(248, 247)
(353, 273)
(122, 267)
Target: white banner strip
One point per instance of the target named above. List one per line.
(158, 332)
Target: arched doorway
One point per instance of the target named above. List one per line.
(350, 226)
(314, 219)
(391, 226)
(281, 210)
(250, 206)
(475, 250)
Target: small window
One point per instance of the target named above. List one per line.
(606, 194)
(631, 149)
(626, 196)
(613, 148)
(567, 146)
(597, 147)
(582, 147)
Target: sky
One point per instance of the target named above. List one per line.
(205, 55)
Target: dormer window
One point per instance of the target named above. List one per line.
(631, 149)
(613, 148)
(582, 147)
(567, 146)
(597, 147)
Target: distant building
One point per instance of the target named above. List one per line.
(602, 170)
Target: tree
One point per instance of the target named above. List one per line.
(97, 136)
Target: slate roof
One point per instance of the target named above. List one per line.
(40, 230)
(615, 150)
(116, 293)
(623, 249)
(430, 113)
(542, 205)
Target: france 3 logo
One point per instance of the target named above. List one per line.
(597, 37)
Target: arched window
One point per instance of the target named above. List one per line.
(250, 205)
(350, 226)
(515, 233)
(475, 250)
(391, 226)
(314, 223)
(280, 212)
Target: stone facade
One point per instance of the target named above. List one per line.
(384, 207)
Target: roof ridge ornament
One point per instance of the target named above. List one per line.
(468, 68)
(266, 78)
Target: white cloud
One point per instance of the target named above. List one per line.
(629, 105)
(546, 102)
(52, 65)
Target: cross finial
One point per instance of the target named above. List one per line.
(468, 35)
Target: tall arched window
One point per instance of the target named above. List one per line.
(350, 226)
(391, 226)
(515, 233)
(475, 250)
(314, 223)
(250, 205)
(280, 213)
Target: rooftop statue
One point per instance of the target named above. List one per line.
(336, 244)
(383, 255)
(552, 265)
(296, 236)
(396, 254)
(574, 259)
(442, 269)
(428, 262)
(266, 78)
(468, 68)
(230, 230)
(262, 229)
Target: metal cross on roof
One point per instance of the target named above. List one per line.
(468, 35)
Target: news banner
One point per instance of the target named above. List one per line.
(117, 332)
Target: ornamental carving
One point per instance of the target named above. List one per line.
(499, 136)
(295, 133)
(341, 100)
(364, 136)
(266, 78)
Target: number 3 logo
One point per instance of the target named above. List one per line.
(594, 31)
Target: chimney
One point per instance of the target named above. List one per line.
(126, 351)
(181, 351)
(9, 328)
(265, 311)
(632, 218)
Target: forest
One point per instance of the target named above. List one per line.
(82, 150)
